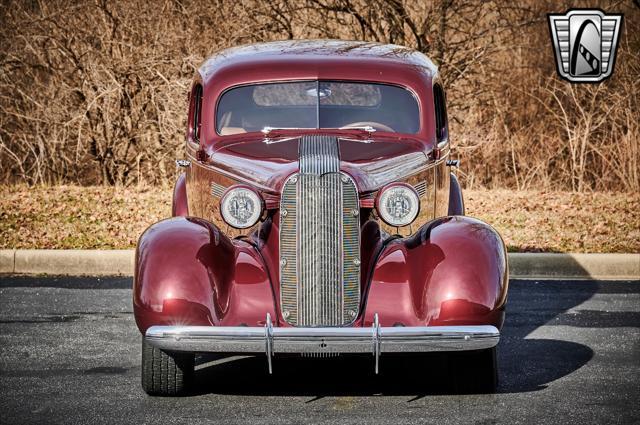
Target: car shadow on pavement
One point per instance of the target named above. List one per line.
(527, 362)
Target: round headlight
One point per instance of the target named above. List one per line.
(398, 204)
(241, 207)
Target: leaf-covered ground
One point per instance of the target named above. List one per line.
(68, 217)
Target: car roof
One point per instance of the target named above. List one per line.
(317, 53)
(332, 60)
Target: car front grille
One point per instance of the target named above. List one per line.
(319, 239)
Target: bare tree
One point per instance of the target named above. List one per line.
(95, 92)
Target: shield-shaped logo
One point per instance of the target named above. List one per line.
(585, 42)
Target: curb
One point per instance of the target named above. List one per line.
(574, 266)
(121, 263)
(63, 262)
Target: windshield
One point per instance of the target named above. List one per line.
(317, 104)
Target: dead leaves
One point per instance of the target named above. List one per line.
(544, 221)
(65, 217)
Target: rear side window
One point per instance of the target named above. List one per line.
(440, 104)
(195, 114)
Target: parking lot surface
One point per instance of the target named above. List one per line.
(70, 353)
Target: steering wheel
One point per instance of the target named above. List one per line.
(376, 125)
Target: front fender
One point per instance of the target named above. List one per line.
(188, 272)
(453, 271)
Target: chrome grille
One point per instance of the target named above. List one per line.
(319, 239)
(288, 251)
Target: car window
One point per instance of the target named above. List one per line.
(442, 124)
(195, 108)
(317, 104)
(290, 94)
(352, 94)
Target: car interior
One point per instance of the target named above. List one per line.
(298, 105)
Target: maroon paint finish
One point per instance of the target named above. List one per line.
(179, 206)
(453, 271)
(267, 166)
(456, 201)
(189, 273)
(384, 152)
(312, 60)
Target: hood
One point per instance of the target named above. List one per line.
(372, 164)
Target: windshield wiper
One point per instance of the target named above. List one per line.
(366, 128)
(267, 131)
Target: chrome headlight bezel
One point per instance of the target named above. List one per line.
(238, 192)
(409, 193)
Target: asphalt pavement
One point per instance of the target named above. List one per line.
(70, 353)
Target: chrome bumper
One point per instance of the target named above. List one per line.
(270, 340)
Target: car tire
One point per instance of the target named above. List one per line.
(166, 373)
(475, 371)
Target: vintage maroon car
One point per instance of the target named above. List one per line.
(317, 214)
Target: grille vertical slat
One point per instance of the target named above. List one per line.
(319, 273)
